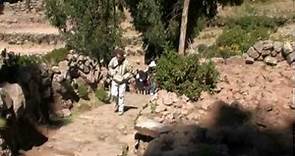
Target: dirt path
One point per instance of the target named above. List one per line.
(94, 133)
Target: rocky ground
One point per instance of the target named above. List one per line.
(97, 132)
(263, 91)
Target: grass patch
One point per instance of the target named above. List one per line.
(83, 91)
(240, 34)
(56, 56)
(102, 95)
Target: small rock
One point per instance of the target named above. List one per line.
(217, 60)
(66, 112)
(280, 57)
(278, 46)
(268, 45)
(274, 53)
(258, 46)
(253, 53)
(55, 70)
(270, 61)
(291, 58)
(265, 53)
(287, 49)
(184, 98)
(260, 58)
(249, 60)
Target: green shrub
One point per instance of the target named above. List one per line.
(241, 33)
(83, 91)
(185, 75)
(101, 95)
(28, 60)
(56, 55)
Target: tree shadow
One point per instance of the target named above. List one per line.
(231, 133)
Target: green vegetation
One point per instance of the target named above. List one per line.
(159, 20)
(101, 95)
(2, 123)
(56, 55)
(240, 34)
(89, 26)
(185, 74)
(83, 91)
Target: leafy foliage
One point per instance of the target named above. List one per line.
(83, 91)
(89, 26)
(240, 34)
(186, 75)
(56, 55)
(159, 20)
(101, 95)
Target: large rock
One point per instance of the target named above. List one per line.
(278, 46)
(291, 58)
(270, 61)
(18, 101)
(149, 127)
(265, 53)
(258, 46)
(268, 45)
(253, 53)
(287, 49)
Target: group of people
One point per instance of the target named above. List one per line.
(120, 72)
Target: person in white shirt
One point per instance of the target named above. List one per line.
(120, 72)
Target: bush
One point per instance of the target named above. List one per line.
(56, 56)
(241, 33)
(185, 75)
(101, 95)
(83, 91)
(89, 26)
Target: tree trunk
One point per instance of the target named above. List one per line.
(183, 28)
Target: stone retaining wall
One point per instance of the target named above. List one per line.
(271, 52)
(20, 39)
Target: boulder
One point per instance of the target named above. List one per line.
(265, 53)
(291, 58)
(270, 61)
(253, 53)
(15, 92)
(249, 60)
(259, 46)
(287, 49)
(268, 45)
(278, 46)
(273, 53)
(149, 127)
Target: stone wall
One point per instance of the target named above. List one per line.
(20, 39)
(26, 5)
(271, 52)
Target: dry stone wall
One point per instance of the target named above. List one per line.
(26, 5)
(271, 52)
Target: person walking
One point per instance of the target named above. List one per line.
(120, 72)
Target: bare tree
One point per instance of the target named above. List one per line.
(183, 27)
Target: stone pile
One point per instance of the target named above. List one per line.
(271, 52)
(168, 108)
(75, 70)
(34, 6)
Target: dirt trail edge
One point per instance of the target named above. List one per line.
(99, 132)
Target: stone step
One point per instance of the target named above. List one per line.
(30, 49)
